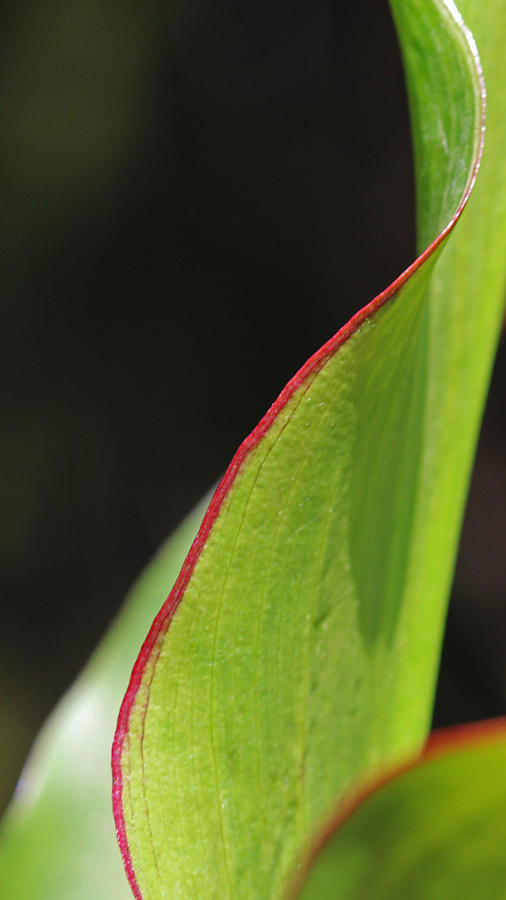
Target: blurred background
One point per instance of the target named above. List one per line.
(194, 196)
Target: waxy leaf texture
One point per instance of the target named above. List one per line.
(309, 613)
(298, 649)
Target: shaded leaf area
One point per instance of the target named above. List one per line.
(298, 649)
(58, 840)
(434, 830)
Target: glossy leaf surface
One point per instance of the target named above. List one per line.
(434, 830)
(298, 649)
(57, 841)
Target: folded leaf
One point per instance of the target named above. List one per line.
(298, 648)
(57, 841)
(435, 829)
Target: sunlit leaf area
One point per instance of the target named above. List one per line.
(195, 198)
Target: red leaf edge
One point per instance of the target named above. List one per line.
(314, 363)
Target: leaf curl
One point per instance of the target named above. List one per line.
(298, 648)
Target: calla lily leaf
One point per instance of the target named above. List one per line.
(298, 649)
(435, 829)
(57, 841)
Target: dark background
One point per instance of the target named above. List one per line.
(193, 198)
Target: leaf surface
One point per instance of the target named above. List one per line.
(57, 841)
(436, 829)
(298, 649)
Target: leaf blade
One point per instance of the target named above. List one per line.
(432, 829)
(224, 729)
(57, 839)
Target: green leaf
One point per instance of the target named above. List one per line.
(436, 829)
(57, 841)
(299, 647)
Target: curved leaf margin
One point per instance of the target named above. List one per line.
(152, 645)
